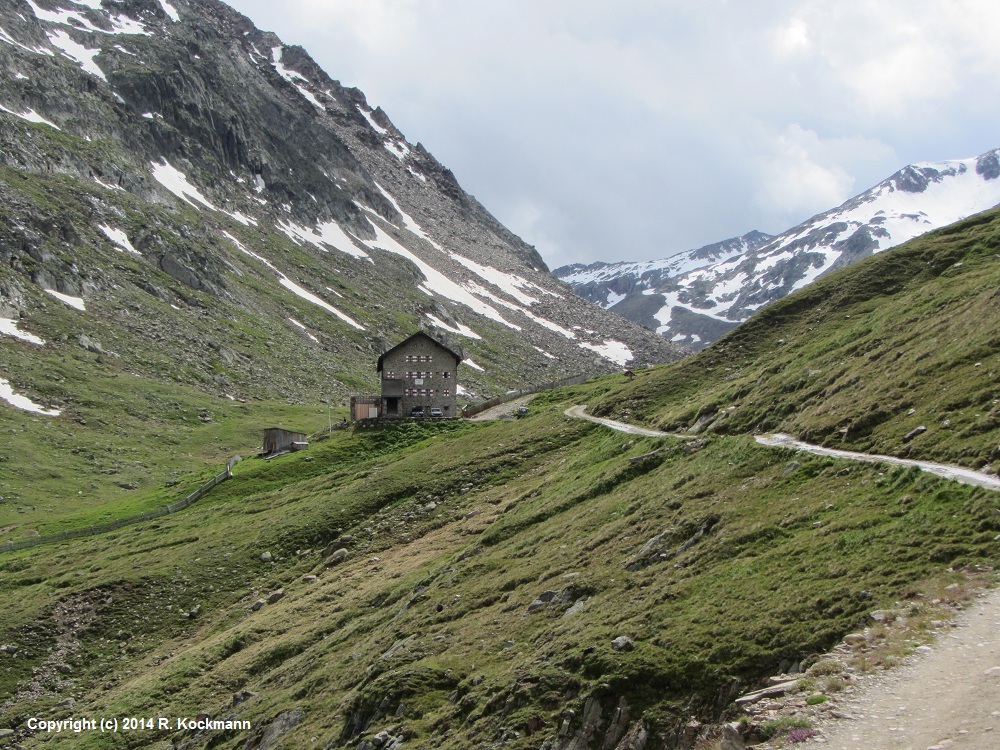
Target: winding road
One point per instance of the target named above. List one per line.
(780, 440)
(580, 412)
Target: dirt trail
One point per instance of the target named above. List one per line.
(579, 412)
(503, 410)
(947, 695)
(958, 473)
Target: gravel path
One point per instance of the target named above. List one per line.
(958, 473)
(503, 410)
(579, 412)
(945, 696)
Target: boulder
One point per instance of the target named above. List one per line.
(623, 643)
(338, 556)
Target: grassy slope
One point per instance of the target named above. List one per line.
(907, 338)
(764, 561)
(435, 601)
(132, 416)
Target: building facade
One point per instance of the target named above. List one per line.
(419, 379)
(419, 376)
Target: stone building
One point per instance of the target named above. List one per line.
(419, 379)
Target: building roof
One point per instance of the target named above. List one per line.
(408, 339)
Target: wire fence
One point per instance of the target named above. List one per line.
(149, 515)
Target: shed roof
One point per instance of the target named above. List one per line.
(408, 339)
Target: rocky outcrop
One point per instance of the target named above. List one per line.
(229, 186)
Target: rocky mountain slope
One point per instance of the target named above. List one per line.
(190, 205)
(694, 297)
(547, 582)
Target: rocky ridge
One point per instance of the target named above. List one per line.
(695, 297)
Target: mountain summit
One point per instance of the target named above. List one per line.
(695, 296)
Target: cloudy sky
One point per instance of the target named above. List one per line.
(635, 129)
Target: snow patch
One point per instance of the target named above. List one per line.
(23, 402)
(325, 236)
(293, 77)
(65, 17)
(293, 287)
(31, 116)
(435, 282)
(74, 302)
(397, 149)
(461, 330)
(408, 220)
(240, 217)
(176, 182)
(468, 361)
(107, 186)
(310, 297)
(170, 10)
(510, 283)
(9, 327)
(614, 351)
(79, 54)
(299, 325)
(544, 353)
(119, 238)
(8, 39)
(375, 126)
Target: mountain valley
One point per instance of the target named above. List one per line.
(203, 235)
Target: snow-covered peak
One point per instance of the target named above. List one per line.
(693, 298)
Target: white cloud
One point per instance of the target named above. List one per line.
(794, 178)
(803, 173)
(645, 127)
(792, 39)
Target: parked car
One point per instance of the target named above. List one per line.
(436, 411)
(417, 411)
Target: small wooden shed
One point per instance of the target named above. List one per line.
(279, 440)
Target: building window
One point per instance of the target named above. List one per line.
(446, 374)
(419, 358)
(389, 375)
(446, 392)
